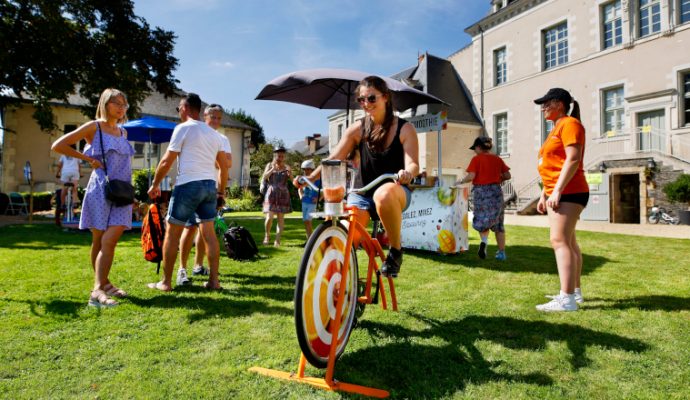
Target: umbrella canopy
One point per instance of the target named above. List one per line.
(330, 88)
(149, 129)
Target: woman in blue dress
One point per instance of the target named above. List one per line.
(106, 221)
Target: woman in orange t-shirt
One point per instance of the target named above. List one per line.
(565, 193)
(487, 171)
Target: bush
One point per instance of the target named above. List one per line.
(235, 192)
(248, 202)
(41, 200)
(140, 181)
(679, 190)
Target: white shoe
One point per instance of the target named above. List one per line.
(559, 303)
(182, 277)
(578, 297)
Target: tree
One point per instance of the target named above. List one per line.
(258, 137)
(50, 49)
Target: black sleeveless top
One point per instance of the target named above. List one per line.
(373, 164)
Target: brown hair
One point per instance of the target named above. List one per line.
(376, 140)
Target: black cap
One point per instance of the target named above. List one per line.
(555, 94)
(482, 141)
(280, 149)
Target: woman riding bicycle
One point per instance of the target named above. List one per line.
(387, 144)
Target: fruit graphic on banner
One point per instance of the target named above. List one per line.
(465, 223)
(446, 195)
(446, 241)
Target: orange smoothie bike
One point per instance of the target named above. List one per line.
(330, 295)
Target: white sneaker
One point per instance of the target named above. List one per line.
(578, 297)
(559, 303)
(182, 277)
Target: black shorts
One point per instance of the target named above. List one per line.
(577, 198)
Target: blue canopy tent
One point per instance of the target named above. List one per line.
(151, 130)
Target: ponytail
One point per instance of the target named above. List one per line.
(575, 112)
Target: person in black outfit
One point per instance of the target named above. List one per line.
(387, 144)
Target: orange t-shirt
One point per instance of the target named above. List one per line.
(488, 168)
(567, 132)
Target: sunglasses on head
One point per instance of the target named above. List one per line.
(369, 99)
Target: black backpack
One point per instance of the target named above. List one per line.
(239, 243)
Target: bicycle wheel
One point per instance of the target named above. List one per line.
(653, 219)
(316, 293)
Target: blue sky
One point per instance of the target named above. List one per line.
(228, 50)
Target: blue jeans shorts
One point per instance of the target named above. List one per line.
(367, 203)
(307, 209)
(193, 197)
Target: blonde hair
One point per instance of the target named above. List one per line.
(106, 96)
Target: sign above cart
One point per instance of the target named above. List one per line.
(430, 122)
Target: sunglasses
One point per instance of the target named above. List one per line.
(369, 99)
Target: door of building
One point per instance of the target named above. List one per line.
(652, 133)
(626, 194)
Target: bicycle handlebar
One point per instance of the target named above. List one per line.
(381, 178)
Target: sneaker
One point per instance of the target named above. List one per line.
(578, 297)
(482, 250)
(501, 255)
(391, 267)
(200, 270)
(559, 303)
(182, 277)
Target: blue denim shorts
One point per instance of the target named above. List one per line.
(193, 197)
(367, 203)
(307, 209)
(194, 221)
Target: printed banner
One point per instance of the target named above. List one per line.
(436, 220)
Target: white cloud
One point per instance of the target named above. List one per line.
(223, 64)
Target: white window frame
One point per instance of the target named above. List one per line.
(551, 46)
(684, 97)
(616, 39)
(500, 68)
(680, 11)
(546, 127)
(501, 131)
(654, 9)
(618, 112)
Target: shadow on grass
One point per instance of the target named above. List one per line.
(206, 307)
(532, 259)
(440, 371)
(645, 303)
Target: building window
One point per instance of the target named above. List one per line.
(82, 143)
(501, 66)
(613, 24)
(340, 132)
(650, 17)
(686, 98)
(501, 133)
(556, 46)
(546, 128)
(684, 11)
(613, 111)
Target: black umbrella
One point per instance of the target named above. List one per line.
(330, 88)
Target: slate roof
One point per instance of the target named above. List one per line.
(155, 105)
(437, 76)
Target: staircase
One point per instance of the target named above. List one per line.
(524, 201)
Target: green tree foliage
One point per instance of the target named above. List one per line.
(679, 190)
(50, 49)
(258, 137)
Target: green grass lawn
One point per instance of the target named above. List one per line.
(467, 328)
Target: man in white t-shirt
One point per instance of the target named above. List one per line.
(213, 115)
(68, 172)
(197, 148)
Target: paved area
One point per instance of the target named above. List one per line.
(655, 230)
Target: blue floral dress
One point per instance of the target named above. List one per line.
(97, 212)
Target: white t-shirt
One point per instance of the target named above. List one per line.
(226, 143)
(198, 145)
(69, 164)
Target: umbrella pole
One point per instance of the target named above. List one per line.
(148, 170)
(347, 109)
(440, 175)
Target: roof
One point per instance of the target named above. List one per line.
(437, 76)
(514, 8)
(155, 105)
(303, 148)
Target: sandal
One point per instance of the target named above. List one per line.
(208, 286)
(158, 286)
(111, 290)
(267, 241)
(100, 299)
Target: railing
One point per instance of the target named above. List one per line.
(644, 139)
(508, 189)
(530, 190)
